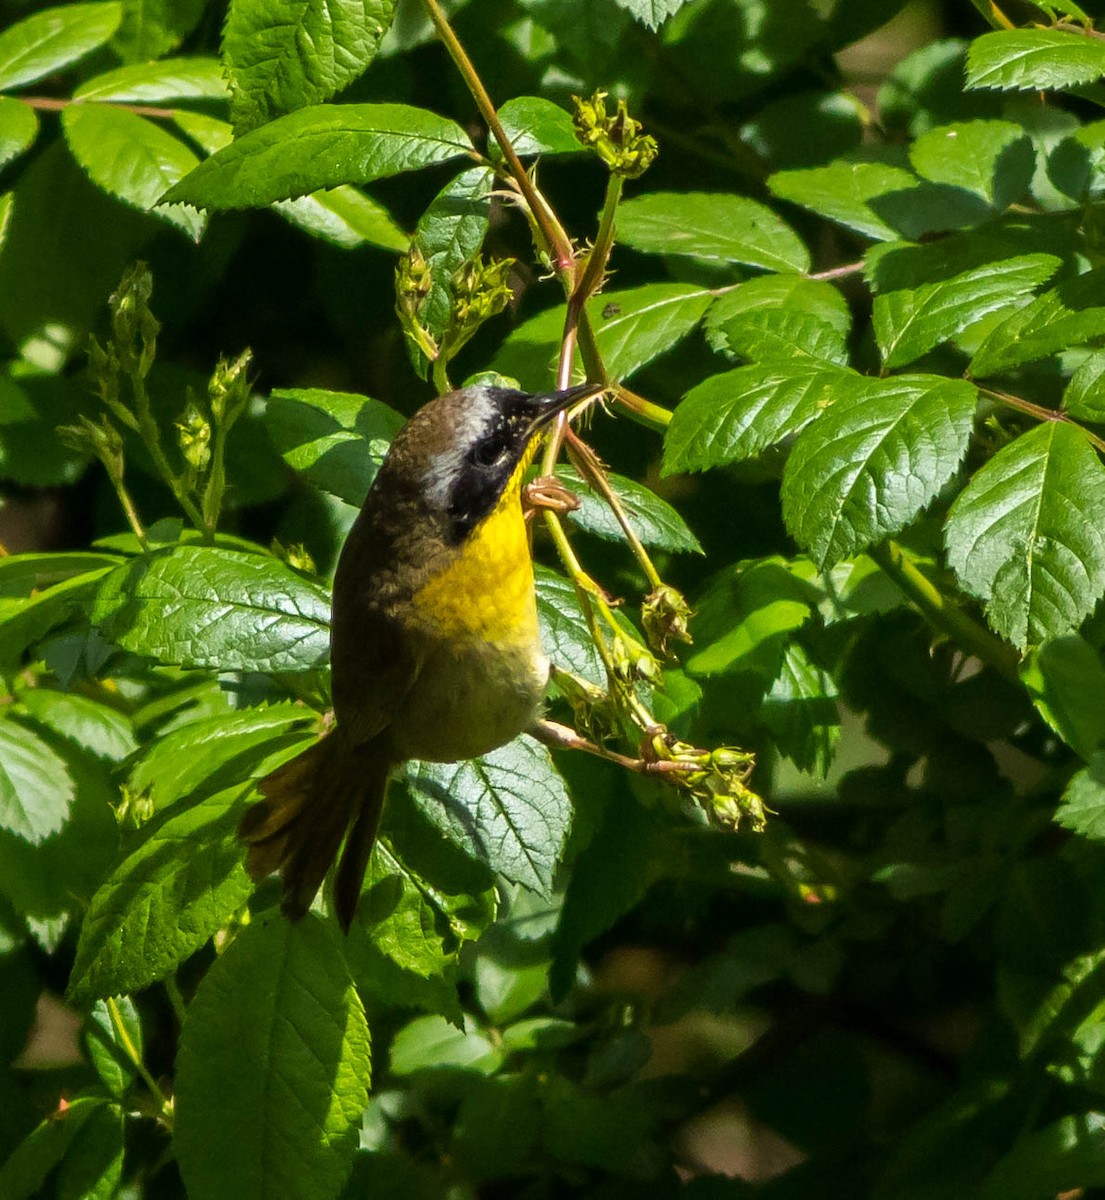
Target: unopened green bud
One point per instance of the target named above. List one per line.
(633, 660)
(616, 139)
(229, 389)
(413, 283)
(664, 615)
(593, 711)
(134, 327)
(99, 438)
(194, 438)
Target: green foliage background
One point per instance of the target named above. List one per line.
(858, 304)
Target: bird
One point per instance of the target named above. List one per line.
(435, 648)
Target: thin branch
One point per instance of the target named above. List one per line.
(1041, 413)
(47, 104)
(839, 272)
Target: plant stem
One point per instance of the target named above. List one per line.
(131, 513)
(151, 436)
(1040, 413)
(47, 104)
(853, 268)
(940, 612)
(647, 413)
(176, 999)
(131, 1050)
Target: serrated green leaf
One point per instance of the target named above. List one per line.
(201, 606)
(1068, 315)
(1085, 394)
(283, 55)
(632, 328)
(345, 217)
(432, 1043)
(22, 574)
(801, 711)
(712, 226)
(102, 731)
(25, 1172)
(993, 159)
(565, 637)
(132, 159)
(273, 1068)
(1059, 675)
(110, 1028)
(221, 749)
(1026, 534)
(48, 41)
(651, 13)
(320, 147)
(767, 293)
(151, 28)
(36, 788)
(1034, 60)
(780, 334)
(156, 82)
(1076, 166)
(738, 414)
(92, 1168)
(910, 321)
(537, 126)
(744, 618)
(509, 808)
(842, 192)
(653, 520)
(1082, 808)
(337, 440)
(25, 622)
(925, 89)
(181, 881)
(874, 461)
(18, 129)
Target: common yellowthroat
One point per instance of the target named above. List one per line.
(435, 652)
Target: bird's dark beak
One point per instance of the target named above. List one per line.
(547, 405)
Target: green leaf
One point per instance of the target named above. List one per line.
(738, 414)
(801, 711)
(721, 227)
(537, 126)
(36, 788)
(23, 1175)
(497, 1127)
(653, 520)
(18, 129)
(910, 321)
(993, 159)
(22, 574)
(1085, 394)
(449, 233)
(283, 55)
(48, 41)
(1025, 535)
(432, 1044)
(769, 293)
(1076, 166)
(805, 129)
(779, 334)
(132, 159)
(320, 147)
(345, 217)
(104, 1042)
(156, 82)
(214, 750)
(651, 13)
(201, 606)
(1067, 1155)
(181, 881)
(92, 1168)
(874, 461)
(337, 440)
(1082, 808)
(745, 617)
(1059, 675)
(1063, 317)
(151, 28)
(1034, 60)
(102, 731)
(25, 622)
(273, 1068)
(842, 192)
(565, 637)
(509, 808)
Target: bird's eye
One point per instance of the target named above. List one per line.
(490, 451)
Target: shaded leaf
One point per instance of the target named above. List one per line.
(345, 217)
(1059, 675)
(652, 519)
(993, 159)
(432, 1043)
(273, 1068)
(874, 461)
(320, 147)
(151, 28)
(112, 1030)
(282, 55)
(202, 606)
(1027, 534)
(565, 637)
(36, 788)
(48, 41)
(843, 191)
(97, 728)
(801, 711)
(25, 1172)
(1083, 805)
(712, 226)
(132, 159)
(1034, 60)
(508, 808)
(651, 13)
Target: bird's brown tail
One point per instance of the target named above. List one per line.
(308, 805)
